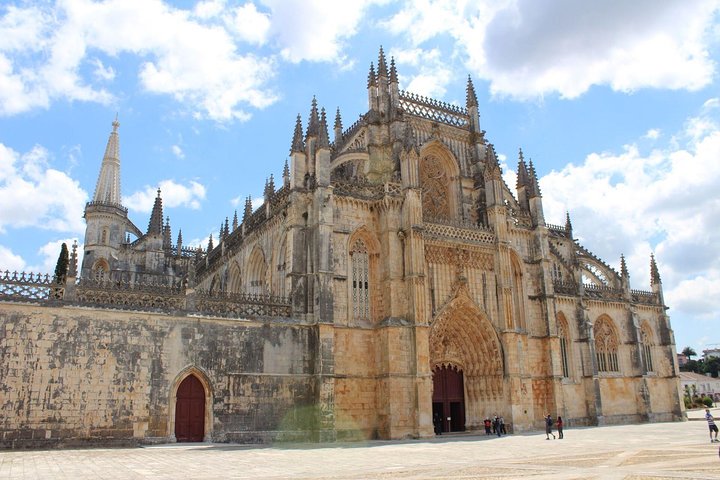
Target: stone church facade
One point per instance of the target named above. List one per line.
(391, 286)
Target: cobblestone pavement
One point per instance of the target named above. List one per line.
(631, 452)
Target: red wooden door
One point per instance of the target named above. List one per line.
(190, 411)
(449, 398)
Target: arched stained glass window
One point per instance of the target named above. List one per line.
(360, 286)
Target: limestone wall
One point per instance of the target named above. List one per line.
(74, 376)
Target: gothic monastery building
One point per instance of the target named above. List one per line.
(391, 285)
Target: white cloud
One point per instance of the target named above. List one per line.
(663, 201)
(248, 24)
(50, 252)
(433, 73)
(177, 151)
(652, 134)
(198, 64)
(32, 194)
(315, 30)
(528, 49)
(173, 195)
(10, 261)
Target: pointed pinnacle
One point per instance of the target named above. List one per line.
(235, 220)
(393, 71)
(568, 225)
(382, 64)
(314, 121)
(654, 273)
(338, 120)
(323, 138)
(471, 99)
(372, 78)
(623, 267)
(298, 144)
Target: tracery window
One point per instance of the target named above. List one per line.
(100, 270)
(360, 286)
(557, 272)
(606, 346)
(435, 188)
(647, 348)
(562, 333)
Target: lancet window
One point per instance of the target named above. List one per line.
(563, 334)
(606, 346)
(646, 341)
(360, 286)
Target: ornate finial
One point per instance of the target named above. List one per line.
(298, 144)
(393, 71)
(226, 232)
(271, 184)
(314, 121)
(210, 244)
(235, 219)
(338, 120)
(568, 225)
(248, 209)
(623, 267)
(286, 174)
(382, 63)
(522, 173)
(167, 241)
(323, 138)
(654, 273)
(155, 226)
(115, 123)
(179, 241)
(72, 267)
(372, 78)
(534, 184)
(471, 97)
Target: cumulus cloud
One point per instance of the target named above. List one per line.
(44, 50)
(177, 151)
(33, 194)
(11, 261)
(663, 201)
(49, 255)
(527, 49)
(173, 195)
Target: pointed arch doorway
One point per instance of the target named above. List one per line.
(448, 399)
(190, 410)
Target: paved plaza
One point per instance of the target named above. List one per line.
(632, 452)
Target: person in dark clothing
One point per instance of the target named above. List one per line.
(488, 426)
(548, 427)
(560, 427)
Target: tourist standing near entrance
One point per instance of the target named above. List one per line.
(711, 425)
(548, 427)
(560, 427)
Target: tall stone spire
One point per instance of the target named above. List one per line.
(623, 267)
(534, 184)
(314, 121)
(382, 63)
(324, 139)
(107, 190)
(568, 224)
(654, 273)
(338, 127)
(471, 97)
(298, 144)
(522, 173)
(155, 227)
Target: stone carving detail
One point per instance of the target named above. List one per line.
(459, 257)
(433, 109)
(435, 183)
(465, 232)
(28, 286)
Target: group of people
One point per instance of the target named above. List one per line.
(549, 427)
(496, 424)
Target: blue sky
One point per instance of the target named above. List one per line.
(617, 104)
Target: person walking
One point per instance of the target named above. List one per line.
(711, 425)
(548, 427)
(560, 427)
(502, 425)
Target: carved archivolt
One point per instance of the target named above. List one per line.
(462, 335)
(459, 256)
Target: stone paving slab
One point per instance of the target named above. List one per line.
(632, 452)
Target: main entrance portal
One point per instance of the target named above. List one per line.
(190, 411)
(448, 399)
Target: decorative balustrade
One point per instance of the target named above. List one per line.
(29, 286)
(434, 110)
(465, 231)
(602, 292)
(565, 288)
(240, 305)
(645, 297)
(155, 296)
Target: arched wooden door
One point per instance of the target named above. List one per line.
(448, 399)
(190, 411)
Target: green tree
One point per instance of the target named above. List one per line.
(62, 264)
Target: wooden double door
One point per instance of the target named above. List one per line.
(448, 400)
(190, 411)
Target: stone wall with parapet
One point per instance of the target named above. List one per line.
(78, 376)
